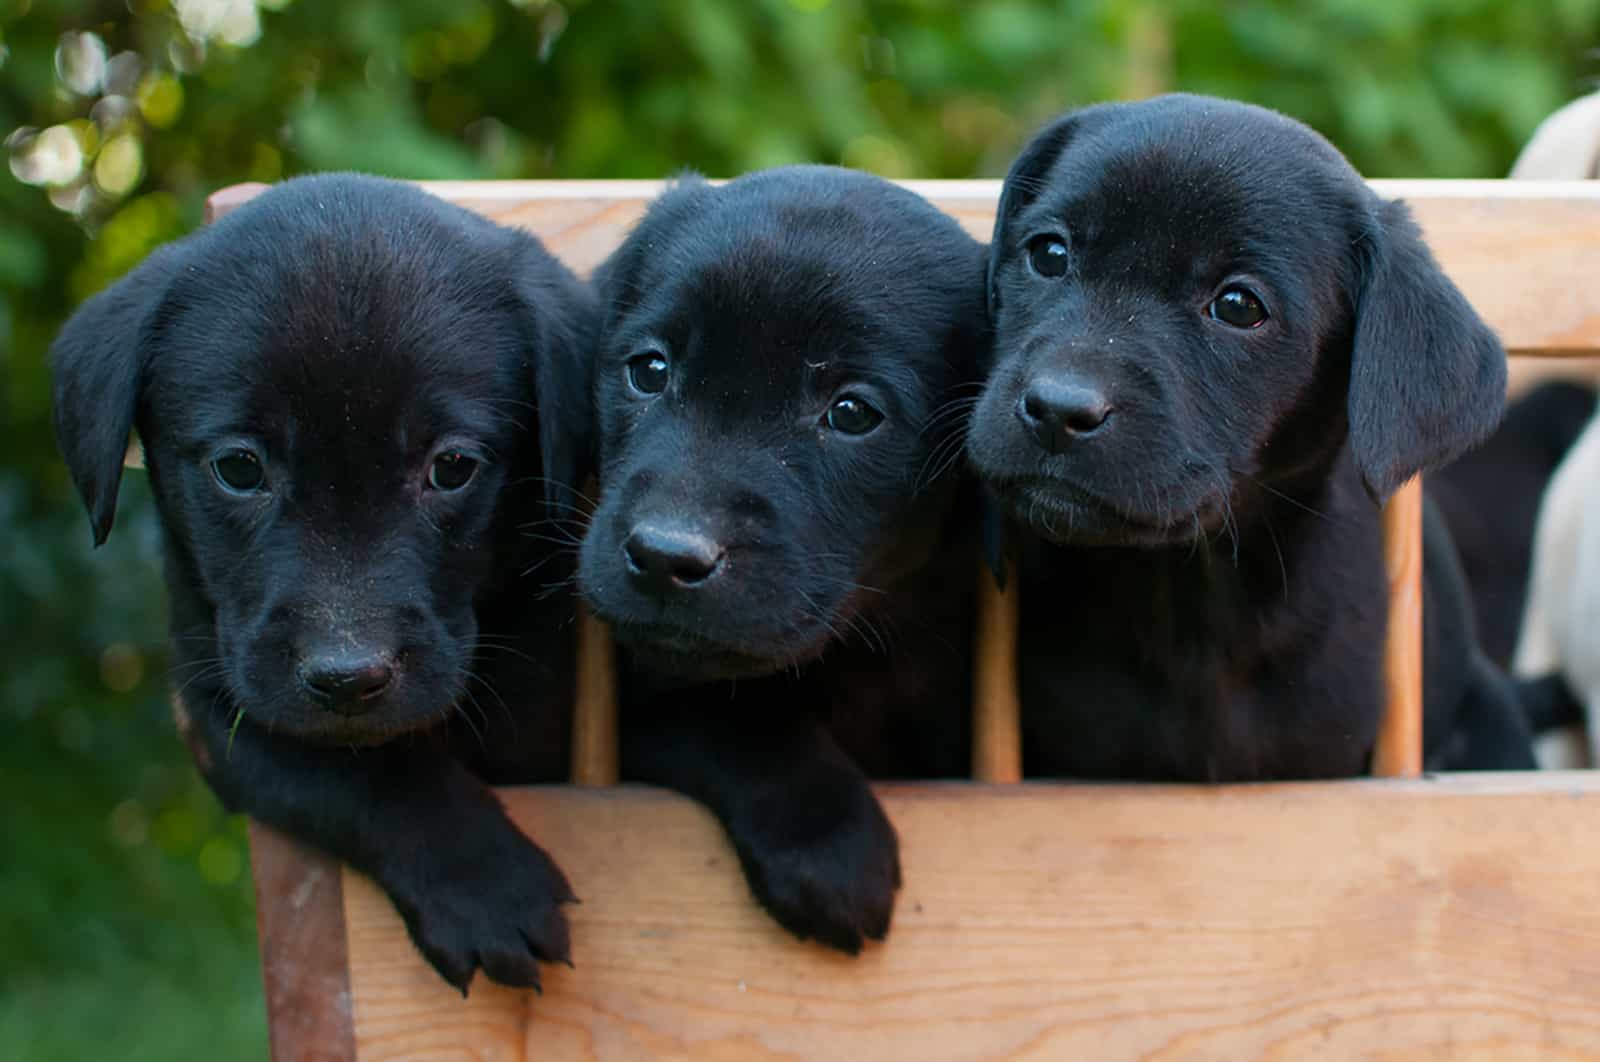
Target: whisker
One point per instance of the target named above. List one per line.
(1292, 501)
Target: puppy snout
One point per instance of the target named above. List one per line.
(665, 555)
(349, 683)
(1056, 410)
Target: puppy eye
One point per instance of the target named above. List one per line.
(853, 416)
(239, 471)
(452, 470)
(648, 373)
(1238, 307)
(1048, 256)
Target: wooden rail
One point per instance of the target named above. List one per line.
(1412, 919)
(1454, 918)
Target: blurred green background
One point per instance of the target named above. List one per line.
(126, 920)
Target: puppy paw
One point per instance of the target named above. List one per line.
(493, 905)
(836, 884)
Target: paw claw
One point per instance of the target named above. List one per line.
(494, 906)
(838, 889)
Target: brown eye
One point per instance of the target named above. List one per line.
(451, 471)
(1048, 256)
(853, 416)
(239, 471)
(648, 373)
(1238, 307)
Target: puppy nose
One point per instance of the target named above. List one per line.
(348, 683)
(1057, 410)
(667, 555)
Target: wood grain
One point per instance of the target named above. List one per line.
(1399, 750)
(1448, 918)
(1514, 247)
(594, 713)
(305, 975)
(996, 705)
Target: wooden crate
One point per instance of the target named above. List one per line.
(1397, 918)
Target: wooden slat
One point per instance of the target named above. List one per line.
(996, 705)
(1524, 374)
(300, 923)
(594, 715)
(1519, 249)
(1449, 918)
(226, 200)
(1399, 750)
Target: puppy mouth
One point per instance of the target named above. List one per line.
(1065, 512)
(679, 651)
(417, 702)
(316, 725)
(379, 728)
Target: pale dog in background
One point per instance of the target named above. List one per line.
(1565, 147)
(1561, 627)
(1561, 624)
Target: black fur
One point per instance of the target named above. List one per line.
(1202, 586)
(347, 331)
(1490, 500)
(796, 600)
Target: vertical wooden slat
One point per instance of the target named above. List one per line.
(305, 974)
(996, 709)
(1399, 751)
(594, 721)
(594, 712)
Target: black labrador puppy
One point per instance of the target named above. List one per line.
(782, 377)
(332, 386)
(1490, 500)
(1216, 352)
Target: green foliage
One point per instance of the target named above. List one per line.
(124, 903)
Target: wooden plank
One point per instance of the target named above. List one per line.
(1524, 374)
(1455, 917)
(226, 200)
(1517, 254)
(300, 924)
(1515, 247)
(996, 704)
(1399, 750)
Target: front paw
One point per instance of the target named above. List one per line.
(834, 882)
(492, 902)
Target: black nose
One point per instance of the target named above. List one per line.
(348, 683)
(668, 555)
(1057, 410)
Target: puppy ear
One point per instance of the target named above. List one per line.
(566, 319)
(1427, 376)
(1023, 184)
(98, 364)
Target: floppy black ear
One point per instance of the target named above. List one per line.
(1022, 186)
(566, 325)
(1427, 376)
(97, 365)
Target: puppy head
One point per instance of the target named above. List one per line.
(331, 387)
(1193, 298)
(777, 396)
